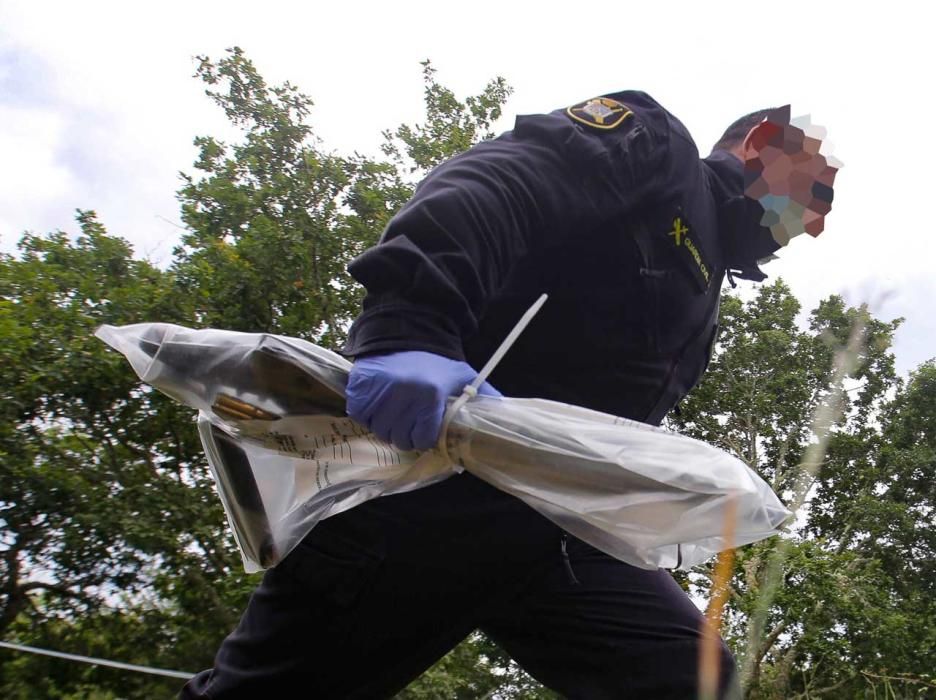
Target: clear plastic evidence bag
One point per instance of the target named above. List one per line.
(284, 454)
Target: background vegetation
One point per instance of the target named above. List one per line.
(114, 545)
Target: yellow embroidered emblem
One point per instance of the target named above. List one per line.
(679, 230)
(693, 256)
(600, 113)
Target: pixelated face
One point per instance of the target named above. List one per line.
(786, 172)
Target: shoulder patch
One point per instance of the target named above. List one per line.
(600, 113)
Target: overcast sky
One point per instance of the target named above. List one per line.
(98, 108)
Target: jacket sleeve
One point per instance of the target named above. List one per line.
(452, 246)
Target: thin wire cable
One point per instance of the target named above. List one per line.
(99, 662)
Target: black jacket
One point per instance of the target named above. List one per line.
(624, 226)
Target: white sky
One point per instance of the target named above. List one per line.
(98, 108)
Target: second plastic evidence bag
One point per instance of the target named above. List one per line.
(284, 454)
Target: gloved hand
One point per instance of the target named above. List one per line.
(401, 396)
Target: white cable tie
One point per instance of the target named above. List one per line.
(471, 390)
(508, 341)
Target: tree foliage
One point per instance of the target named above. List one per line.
(105, 502)
(113, 543)
(854, 571)
(450, 127)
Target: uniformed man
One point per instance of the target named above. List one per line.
(607, 207)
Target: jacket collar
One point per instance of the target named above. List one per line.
(745, 243)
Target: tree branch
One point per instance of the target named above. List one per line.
(905, 679)
(830, 688)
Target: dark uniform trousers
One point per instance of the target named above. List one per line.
(373, 597)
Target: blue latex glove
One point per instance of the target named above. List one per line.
(401, 396)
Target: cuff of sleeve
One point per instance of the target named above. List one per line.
(389, 328)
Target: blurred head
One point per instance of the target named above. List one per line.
(786, 169)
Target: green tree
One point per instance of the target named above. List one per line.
(450, 127)
(106, 507)
(836, 625)
(274, 221)
(113, 542)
